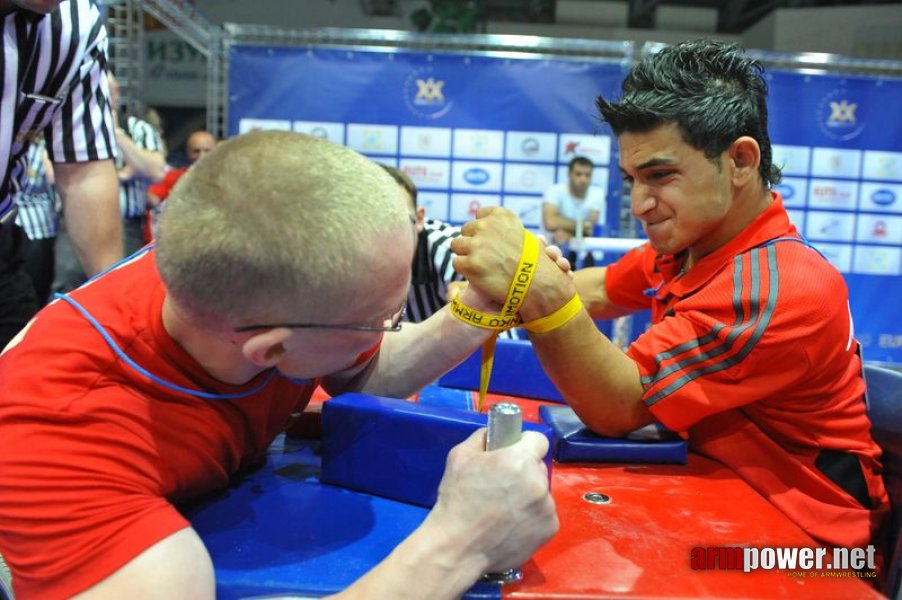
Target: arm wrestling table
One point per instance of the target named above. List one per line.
(282, 533)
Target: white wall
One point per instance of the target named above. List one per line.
(868, 31)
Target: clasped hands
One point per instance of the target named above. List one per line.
(488, 253)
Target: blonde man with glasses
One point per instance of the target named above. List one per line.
(156, 383)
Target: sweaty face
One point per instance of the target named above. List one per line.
(580, 176)
(682, 198)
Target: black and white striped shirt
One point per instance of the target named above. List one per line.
(36, 197)
(53, 82)
(432, 270)
(133, 192)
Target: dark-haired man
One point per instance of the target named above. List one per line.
(751, 351)
(572, 209)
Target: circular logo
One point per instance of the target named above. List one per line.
(838, 115)
(529, 146)
(785, 190)
(320, 132)
(425, 94)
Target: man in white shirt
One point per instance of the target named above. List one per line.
(571, 210)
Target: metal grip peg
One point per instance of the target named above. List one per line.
(505, 425)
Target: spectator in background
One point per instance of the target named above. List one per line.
(198, 145)
(53, 83)
(567, 206)
(432, 269)
(38, 217)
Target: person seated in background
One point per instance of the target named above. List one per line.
(198, 145)
(568, 206)
(164, 378)
(431, 284)
(751, 350)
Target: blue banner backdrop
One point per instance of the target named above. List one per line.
(488, 129)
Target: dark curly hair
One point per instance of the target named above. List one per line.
(711, 90)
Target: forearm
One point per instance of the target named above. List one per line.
(149, 164)
(90, 195)
(428, 565)
(418, 354)
(590, 284)
(596, 378)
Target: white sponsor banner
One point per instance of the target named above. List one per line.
(797, 218)
(839, 255)
(531, 146)
(882, 165)
(794, 191)
(426, 141)
(527, 208)
(426, 173)
(835, 162)
(793, 160)
(476, 176)
(832, 193)
(596, 148)
(876, 260)
(883, 197)
(464, 206)
(830, 226)
(879, 229)
(599, 179)
(373, 139)
(519, 177)
(435, 203)
(246, 125)
(478, 143)
(334, 132)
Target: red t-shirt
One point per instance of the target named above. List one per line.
(93, 454)
(162, 188)
(752, 353)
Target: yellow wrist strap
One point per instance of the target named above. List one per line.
(558, 318)
(509, 316)
(529, 259)
(480, 319)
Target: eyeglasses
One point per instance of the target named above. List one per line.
(392, 323)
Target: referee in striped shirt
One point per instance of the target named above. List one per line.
(52, 64)
(432, 268)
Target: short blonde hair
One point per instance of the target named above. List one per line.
(274, 224)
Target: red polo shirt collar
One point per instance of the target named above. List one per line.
(770, 224)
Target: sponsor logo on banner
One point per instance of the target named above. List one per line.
(527, 208)
(478, 143)
(830, 226)
(373, 139)
(476, 176)
(530, 178)
(426, 141)
(839, 115)
(435, 205)
(787, 191)
(792, 160)
(880, 229)
(427, 173)
(882, 165)
(531, 146)
(841, 195)
(838, 255)
(464, 206)
(426, 94)
(334, 132)
(875, 260)
(596, 148)
(835, 162)
(793, 190)
(883, 197)
(246, 125)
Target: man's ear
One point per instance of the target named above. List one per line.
(745, 156)
(266, 349)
